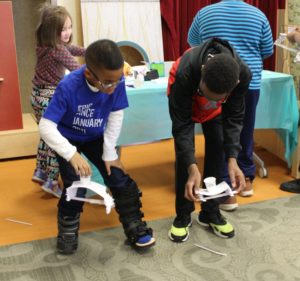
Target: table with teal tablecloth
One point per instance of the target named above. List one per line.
(147, 118)
(278, 109)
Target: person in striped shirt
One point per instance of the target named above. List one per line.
(248, 30)
(55, 55)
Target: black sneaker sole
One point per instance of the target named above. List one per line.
(216, 232)
(177, 239)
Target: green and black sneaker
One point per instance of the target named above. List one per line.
(217, 223)
(179, 231)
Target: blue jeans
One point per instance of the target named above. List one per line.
(245, 157)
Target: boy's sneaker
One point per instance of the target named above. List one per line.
(142, 236)
(248, 191)
(39, 176)
(139, 235)
(291, 186)
(230, 204)
(179, 231)
(67, 238)
(217, 223)
(145, 241)
(52, 187)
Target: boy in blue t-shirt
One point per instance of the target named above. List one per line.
(85, 116)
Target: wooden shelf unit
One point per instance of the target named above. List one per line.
(21, 142)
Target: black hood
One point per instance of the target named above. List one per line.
(193, 59)
(200, 54)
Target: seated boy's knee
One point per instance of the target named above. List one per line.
(117, 179)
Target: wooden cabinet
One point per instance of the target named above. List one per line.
(10, 104)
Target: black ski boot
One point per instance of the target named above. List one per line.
(67, 238)
(128, 205)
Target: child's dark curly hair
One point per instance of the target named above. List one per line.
(221, 73)
(104, 54)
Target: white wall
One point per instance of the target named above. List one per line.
(136, 21)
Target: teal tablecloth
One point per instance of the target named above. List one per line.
(278, 109)
(147, 118)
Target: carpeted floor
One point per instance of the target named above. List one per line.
(266, 248)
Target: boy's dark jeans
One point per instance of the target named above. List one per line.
(213, 167)
(93, 151)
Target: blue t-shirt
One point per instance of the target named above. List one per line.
(81, 114)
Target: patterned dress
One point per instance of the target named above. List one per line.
(51, 66)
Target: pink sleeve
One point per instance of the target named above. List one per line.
(64, 56)
(76, 50)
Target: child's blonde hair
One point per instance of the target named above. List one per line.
(52, 20)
